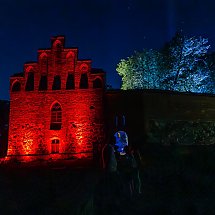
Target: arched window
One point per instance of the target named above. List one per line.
(70, 83)
(84, 81)
(30, 82)
(16, 87)
(56, 117)
(57, 83)
(55, 146)
(97, 83)
(43, 83)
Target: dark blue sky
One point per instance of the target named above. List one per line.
(103, 30)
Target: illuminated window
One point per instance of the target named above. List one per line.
(43, 83)
(16, 87)
(97, 83)
(30, 82)
(84, 81)
(56, 117)
(57, 83)
(55, 146)
(70, 83)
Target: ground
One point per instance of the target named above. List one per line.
(175, 181)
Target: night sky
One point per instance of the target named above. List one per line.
(103, 30)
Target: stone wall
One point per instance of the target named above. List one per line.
(145, 109)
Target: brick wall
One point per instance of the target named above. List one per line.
(82, 109)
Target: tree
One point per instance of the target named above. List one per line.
(141, 70)
(188, 69)
(180, 66)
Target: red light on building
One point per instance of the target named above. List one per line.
(51, 105)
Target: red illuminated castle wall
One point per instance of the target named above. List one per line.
(56, 105)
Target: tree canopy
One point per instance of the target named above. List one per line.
(182, 65)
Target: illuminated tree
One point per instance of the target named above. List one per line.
(181, 66)
(187, 67)
(141, 71)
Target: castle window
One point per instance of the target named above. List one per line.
(84, 81)
(57, 83)
(97, 83)
(16, 87)
(55, 146)
(70, 83)
(30, 82)
(56, 117)
(43, 83)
